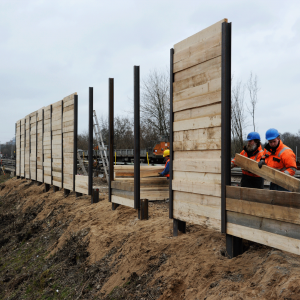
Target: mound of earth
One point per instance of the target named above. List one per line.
(56, 247)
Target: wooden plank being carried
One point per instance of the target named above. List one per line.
(265, 238)
(285, 214)
(286, 199)
(284, 180)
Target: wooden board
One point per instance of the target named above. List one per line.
(286, 199)
(197, 165)
(260, 223)
(200, 36)
(204, 122)
(286, 181)
(122, 201)
(197, 188)
(265, 238)
(81, 184)
(286, 214)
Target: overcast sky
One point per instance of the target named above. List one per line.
(50, 49)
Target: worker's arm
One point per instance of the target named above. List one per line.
(289, 161)
(166, 170)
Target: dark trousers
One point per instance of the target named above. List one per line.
(276, 187)
(252, 182)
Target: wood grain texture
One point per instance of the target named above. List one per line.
(286, 214)
(204, 122)
(200, 36)
(204, 166)
(122, 201)
(286, 199)
(197, 188)
(269, 225)
(265, 238)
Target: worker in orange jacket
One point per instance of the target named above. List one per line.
(278, 156)
(166, 171)
(253, 151)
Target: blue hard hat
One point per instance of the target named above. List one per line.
(253, 136)
(272, 134)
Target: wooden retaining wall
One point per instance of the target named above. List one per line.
(267, 217)
(45, 146)
(196, 184)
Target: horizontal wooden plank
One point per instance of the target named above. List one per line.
(205, 122)
(197, 219)
(197, 145)
(196, 198)
(285, 214)
(210, 178)
(125, 186)
(265, 238)
(287, 199)
(211, 86)
(200, 36)
(155, 195)
(196, 58)
(286, 181)
(78, 189)
(56, 183)
(122, 193)
(269, 225)
(198, 79)
(69, 108)
(195, 165)
(211, 42)
(122, 201)
(198, 112)
(200, 154)
(197, 188)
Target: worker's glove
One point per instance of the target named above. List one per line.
(261, 163)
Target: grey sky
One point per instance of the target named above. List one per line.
(50, 49)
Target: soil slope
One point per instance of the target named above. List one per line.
(56, 247)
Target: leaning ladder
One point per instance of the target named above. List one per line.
(100, 144)
(81, 165)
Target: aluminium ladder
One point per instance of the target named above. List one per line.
(100, 144)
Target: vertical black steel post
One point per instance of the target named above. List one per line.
(137, 138)
(75, 139)
(144, 209)
(36, 144)
(16, 150)
(62, 144)
(90, 190)
(20, 149)
(51, 141)
(111, 134)
(171, 135)
(234, 245)
(226, 119)
(43, 156)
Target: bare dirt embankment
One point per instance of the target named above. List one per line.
(52, 247)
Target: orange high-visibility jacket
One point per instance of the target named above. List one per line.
(256, 155)
(283, 159)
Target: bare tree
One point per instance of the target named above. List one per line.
(253, 89)
(238, 117)
(155, 102)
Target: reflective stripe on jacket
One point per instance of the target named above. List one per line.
(255, 156)
(284, 159)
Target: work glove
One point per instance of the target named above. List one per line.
(261, 163)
